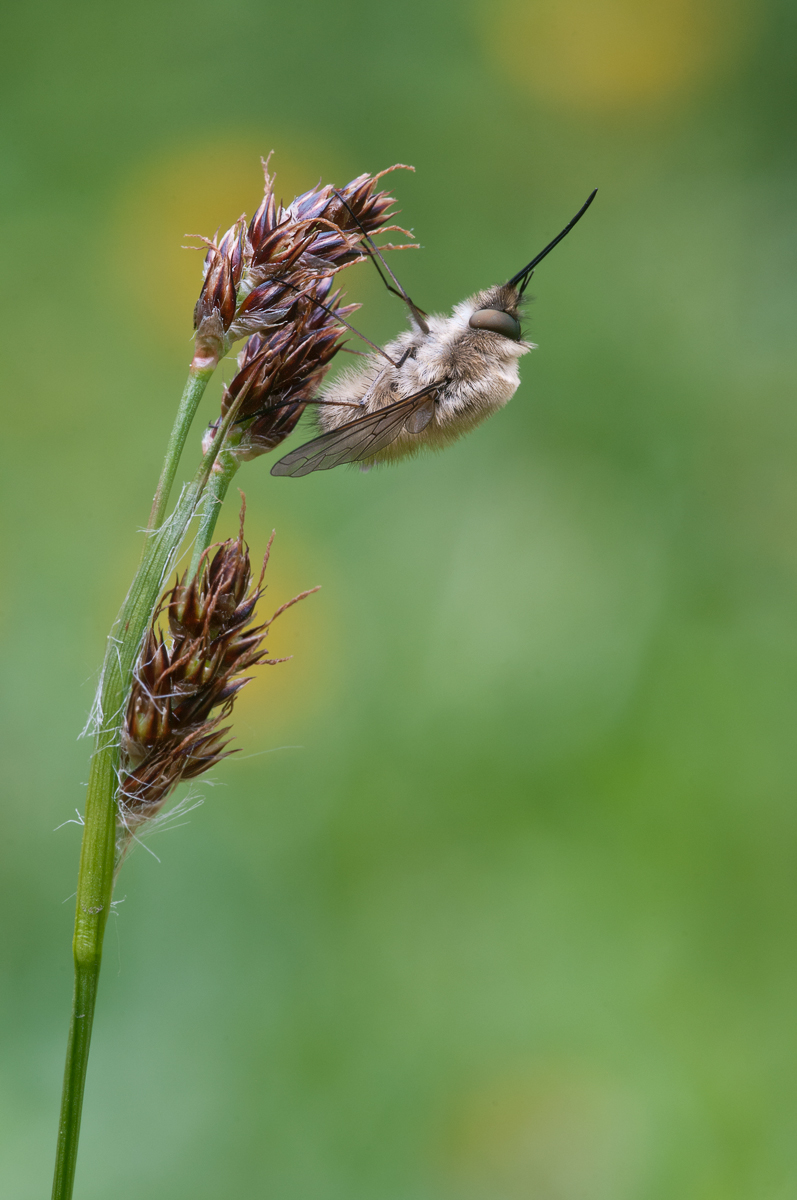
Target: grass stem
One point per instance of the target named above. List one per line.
(193, 392)
(220, 480)
(98, 848)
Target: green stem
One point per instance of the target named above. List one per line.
(220, 480)
(77, 1056)
(96, 874)
(193, 391)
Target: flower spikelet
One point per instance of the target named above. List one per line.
(253, 273)
(280, 370)
(187, 678)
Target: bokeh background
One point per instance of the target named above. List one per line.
(498, 900)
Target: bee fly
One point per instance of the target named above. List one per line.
(429, 386)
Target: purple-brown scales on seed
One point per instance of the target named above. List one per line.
(187, 678)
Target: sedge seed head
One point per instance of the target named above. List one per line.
(186, 680)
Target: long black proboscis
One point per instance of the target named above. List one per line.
(525, 274)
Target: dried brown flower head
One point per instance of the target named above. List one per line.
(185, 683)
(222, 278)
(248, 271)
(281, 369)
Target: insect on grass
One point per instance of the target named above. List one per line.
(430, 385)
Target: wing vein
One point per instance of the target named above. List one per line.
(360, 438)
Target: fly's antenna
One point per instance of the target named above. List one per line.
(525, 275)
(374, 253)
(342, 320)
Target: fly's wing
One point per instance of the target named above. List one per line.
(420, 417)
(362, 437)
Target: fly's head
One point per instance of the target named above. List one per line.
(497, 310)
(491, 323)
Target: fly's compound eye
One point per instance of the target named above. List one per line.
(496, 321)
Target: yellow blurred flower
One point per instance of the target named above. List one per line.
(192, 190)
(611, 54)
(561, 1132)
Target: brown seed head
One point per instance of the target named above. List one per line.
(222, 273)
(211, 602)
(253, 273)
(184, 687)
(280, 370)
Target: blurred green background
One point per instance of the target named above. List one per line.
(498, 900)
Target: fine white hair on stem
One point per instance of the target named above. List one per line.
(78, 820)
(148, 849)
(96, 717)
(271, 750)
(140, 830)
(164, 821)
